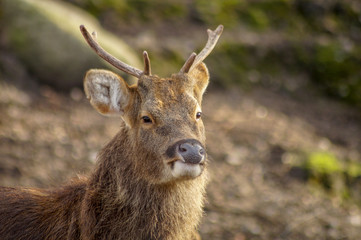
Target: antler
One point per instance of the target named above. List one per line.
(188, 63)
(114, 61)
(147, 69)
(194, 59)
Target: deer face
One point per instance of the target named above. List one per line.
(162, 115)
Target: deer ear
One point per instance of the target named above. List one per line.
(200, 76)
(107, 92)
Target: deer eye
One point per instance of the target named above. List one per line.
(198, 115)
(146, 119)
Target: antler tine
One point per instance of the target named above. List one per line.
(109, 58)
(147, 68)
(188, 63)
(213, 37)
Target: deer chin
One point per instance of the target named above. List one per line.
(182, 169)
(179, 169)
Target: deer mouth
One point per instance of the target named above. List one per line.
(182, 169)
(173, 161)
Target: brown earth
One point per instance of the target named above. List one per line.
(48, 138)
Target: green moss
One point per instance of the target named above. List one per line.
(323, 163)
(328, 173)
(353, 170)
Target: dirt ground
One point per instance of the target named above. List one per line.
(47, 138)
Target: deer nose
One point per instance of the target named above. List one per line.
(191, 152)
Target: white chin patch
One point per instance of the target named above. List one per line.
(181, 169)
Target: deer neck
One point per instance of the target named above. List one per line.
(166, 211)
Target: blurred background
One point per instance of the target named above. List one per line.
(282, 112)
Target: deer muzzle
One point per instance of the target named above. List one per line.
(189, 151)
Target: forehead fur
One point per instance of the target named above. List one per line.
(166, 96)
(164, 89)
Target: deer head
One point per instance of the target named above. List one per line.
(162, 116)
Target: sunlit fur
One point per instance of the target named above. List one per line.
(132, 192)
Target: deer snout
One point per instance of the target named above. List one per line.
(188, 151)
(191, 152)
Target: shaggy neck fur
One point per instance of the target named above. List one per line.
(120, 205)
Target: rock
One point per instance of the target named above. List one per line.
(46, 38)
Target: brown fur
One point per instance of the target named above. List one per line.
(131, 194)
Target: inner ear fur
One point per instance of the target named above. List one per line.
(107, 92)
(200, 76)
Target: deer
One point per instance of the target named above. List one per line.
(149, 181)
